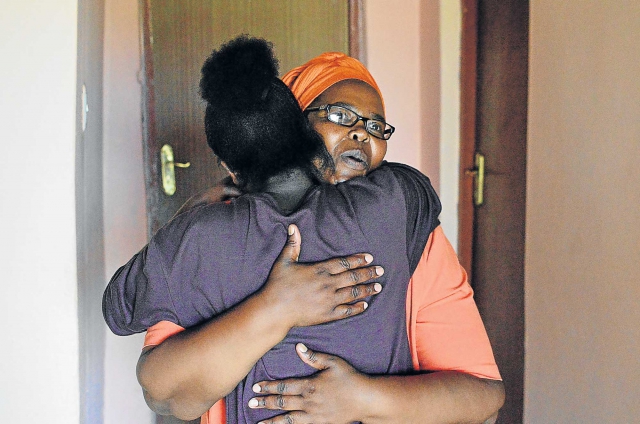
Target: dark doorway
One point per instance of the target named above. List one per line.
(494, 78)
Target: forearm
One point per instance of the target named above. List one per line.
(440, 397)
(186, 374)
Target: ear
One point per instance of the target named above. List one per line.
(232, 174)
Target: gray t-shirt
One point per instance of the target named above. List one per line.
(209, 259)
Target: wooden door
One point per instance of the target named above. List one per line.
(178, 35)
(494, 124)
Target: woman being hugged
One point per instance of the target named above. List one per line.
(218, 271)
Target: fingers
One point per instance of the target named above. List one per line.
(340, 265)
(291, 250)
(281, 402)
(357, 276)
(355, 292)
(296, 386)
(349, 267)
(296, 417)
(287, 387)
(318, 360)
(349, 297)
(349, 310)
(229, 192)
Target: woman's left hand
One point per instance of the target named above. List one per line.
(223, 190)
(331, 395)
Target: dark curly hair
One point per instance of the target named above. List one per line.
(252, 121)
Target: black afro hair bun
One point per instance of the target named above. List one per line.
(239, 74)
(252, 120)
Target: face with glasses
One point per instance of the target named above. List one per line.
(350, 118)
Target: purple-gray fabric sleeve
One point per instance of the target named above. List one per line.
(423, 208)
(138, 296)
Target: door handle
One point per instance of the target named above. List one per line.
(167, 164)
(478, 179)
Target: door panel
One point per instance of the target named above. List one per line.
(178, 35)
(492, 243)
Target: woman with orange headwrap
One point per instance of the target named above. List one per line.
(444, 330)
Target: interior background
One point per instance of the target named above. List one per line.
(583, 232)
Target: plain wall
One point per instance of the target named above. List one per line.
(583, 213)
(124, 198)
(39, 377)
(89, 209)
(447, 145)
(394, 62)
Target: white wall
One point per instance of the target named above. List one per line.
(38, 294)
(583, 213)
(450, 47)
(394, 61)
(124, 198)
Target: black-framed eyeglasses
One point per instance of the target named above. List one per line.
(346, 117)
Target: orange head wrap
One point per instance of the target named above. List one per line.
(311, 79)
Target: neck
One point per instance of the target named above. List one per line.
(288, 188)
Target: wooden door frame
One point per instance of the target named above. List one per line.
(152, 151)
(493, 117)
(468, 105)
(357, 33)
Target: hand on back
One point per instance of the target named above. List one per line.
(337, 393)
(307, 294)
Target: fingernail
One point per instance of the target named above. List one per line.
(366, 305)
(379, 271)
(368, 258)
(256, 388)
(291, 230)
(253, 403)
(302, 348)
(377, 287)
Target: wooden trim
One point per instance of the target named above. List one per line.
(468, 104)
(357, 33)
(150, 149)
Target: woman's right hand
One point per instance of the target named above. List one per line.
(315, 293)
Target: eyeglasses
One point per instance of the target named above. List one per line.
(342, 116)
